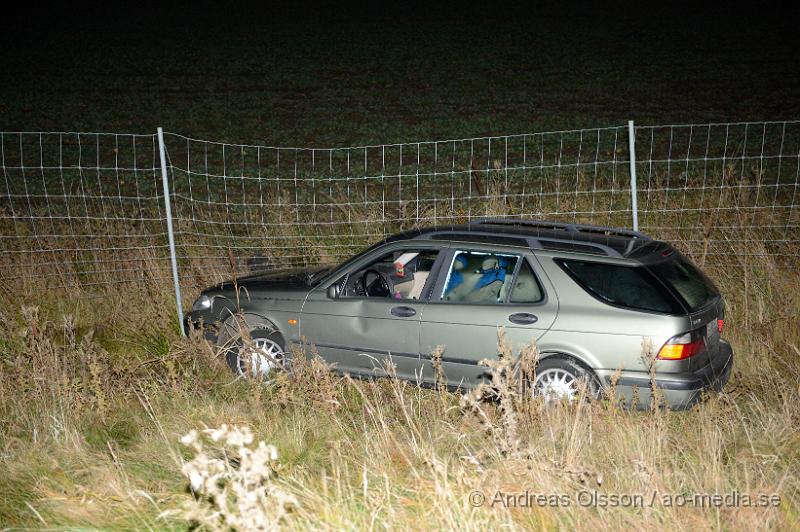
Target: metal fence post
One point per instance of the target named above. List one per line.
(170, 232)
(632, 162)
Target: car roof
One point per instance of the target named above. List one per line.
(543, 235)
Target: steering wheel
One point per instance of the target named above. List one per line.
(376, 284)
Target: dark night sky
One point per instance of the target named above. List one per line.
(337, 75)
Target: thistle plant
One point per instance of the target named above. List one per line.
(232, 480)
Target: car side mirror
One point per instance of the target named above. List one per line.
(333, 291)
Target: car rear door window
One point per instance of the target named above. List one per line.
(631, 287)
(479, 277)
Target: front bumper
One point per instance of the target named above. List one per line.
(193, 320)
(681, 391)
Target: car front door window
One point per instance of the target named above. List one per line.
(400, 274)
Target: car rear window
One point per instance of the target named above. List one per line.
(691, 284)
(631, 287)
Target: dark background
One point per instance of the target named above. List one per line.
(367, 74)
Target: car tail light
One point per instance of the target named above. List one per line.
(683, 346)
(720, 325)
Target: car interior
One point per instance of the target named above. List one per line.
(399, 275)
(474, 277)
(478, 277)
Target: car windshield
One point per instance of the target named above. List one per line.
(683, 277)
(322, 274)
(315, 276)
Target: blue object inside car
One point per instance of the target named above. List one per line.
(491, 275)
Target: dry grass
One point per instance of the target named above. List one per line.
(92, 409)
(97, 388)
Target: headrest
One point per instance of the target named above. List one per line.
(489, 264)
(460, 263)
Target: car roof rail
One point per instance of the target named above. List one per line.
(541, 243)
(591, 248)
(570, 228)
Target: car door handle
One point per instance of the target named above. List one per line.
(403, 312)
(523, 318)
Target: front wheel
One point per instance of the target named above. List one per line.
(562, 379)
(258, 357)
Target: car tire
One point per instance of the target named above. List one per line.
(259, 356)
(560, 378)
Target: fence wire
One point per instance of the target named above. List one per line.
(88, 208)
(300, 206)
(721, 189)
(81, 209)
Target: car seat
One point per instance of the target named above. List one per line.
(490, 280)
(418, 284)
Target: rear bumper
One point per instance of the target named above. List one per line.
(679, 391)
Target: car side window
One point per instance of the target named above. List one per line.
(400, 274)
(479, 277)
(621, 285)
(526, 288)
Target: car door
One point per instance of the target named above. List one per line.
(361, 334)
(467, 327)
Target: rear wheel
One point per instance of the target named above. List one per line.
(258, 357)
(560, 379)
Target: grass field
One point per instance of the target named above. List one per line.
(93, 407)
(97, 387)
(373, 76)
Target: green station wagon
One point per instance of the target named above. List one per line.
(592, 298)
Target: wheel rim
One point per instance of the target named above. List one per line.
(556, 385)
(259, 358)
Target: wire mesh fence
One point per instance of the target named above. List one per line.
(81, 208)
(300, 206)
(721, 189)
(88, 208)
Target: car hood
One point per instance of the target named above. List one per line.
(291, 279)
